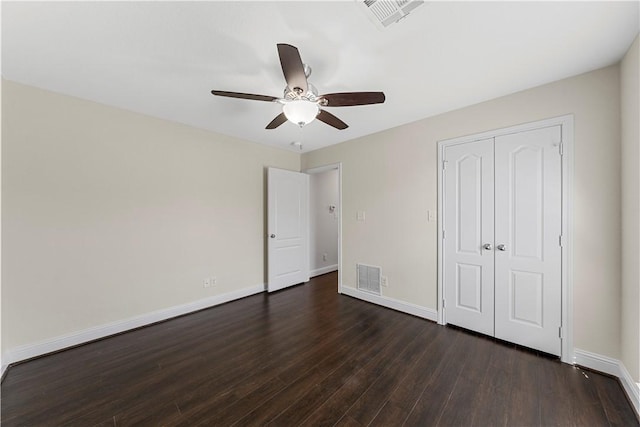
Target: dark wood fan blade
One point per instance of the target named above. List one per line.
(292, 68)
(346, 99)
(280, 119)
(331, 120)
(244, 95)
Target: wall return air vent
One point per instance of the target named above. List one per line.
(369, 278)
(386, 12)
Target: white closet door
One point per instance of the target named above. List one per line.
(468, 225)
(528, 188)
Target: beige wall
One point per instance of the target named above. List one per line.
(392, 176)
(109, 214)
(630, 316)
(2, 362)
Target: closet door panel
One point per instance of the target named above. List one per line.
(468, 224)
(528, 225)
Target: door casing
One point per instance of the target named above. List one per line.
(566, 123)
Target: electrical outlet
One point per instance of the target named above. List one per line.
(214, 280)
(383, 281)
(324, 257)
(206, 283)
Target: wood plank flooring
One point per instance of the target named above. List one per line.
(306, 356)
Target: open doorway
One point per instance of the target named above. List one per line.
(325, 220)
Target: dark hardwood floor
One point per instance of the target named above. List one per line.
(306, 356)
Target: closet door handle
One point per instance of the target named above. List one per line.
(487, 246)
(501, 248)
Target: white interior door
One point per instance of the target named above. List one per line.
(288, 228)
(502, 207)
(528, 189)
(468, 243)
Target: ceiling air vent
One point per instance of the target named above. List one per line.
(385, 12)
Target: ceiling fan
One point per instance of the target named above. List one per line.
(301, 102)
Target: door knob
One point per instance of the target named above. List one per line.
(273, 236)
(487, 246)
(501, 248)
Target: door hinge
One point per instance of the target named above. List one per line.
(444, 164)
(442, 234)
(560, 149)
(560, 335)
(560, 241)
(444, 303)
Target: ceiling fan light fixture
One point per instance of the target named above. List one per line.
(301, 111)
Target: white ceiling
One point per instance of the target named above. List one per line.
(163, 58)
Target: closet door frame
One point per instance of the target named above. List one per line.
(566, 123)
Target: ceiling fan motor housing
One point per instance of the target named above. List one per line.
(296, 94)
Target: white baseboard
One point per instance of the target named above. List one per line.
(631, 387)
(61, 342)
(3, 368)
(323, 270)
(597, 362)
(613, 367)
(405, 307)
